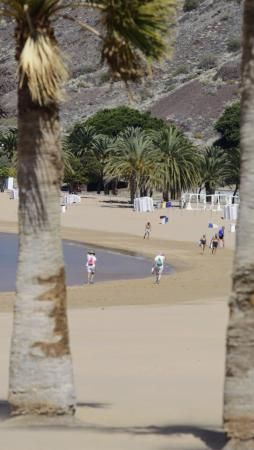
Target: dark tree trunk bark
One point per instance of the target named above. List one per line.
(209, 191)
(235, 192)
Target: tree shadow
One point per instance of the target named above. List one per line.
(94, 405)
(214, 439)
(4, 410)
(117, 206)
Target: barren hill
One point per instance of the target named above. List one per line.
(191, 89)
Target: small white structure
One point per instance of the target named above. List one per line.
(231, 212)
(198, 202)
(143, 204)
(232, 228)
(14, 194)
(69, 199)
(10, 183)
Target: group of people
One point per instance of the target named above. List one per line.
(216, 241)
(91, 260)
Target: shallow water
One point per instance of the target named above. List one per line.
(110, 265)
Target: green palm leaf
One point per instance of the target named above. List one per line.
(178, 164)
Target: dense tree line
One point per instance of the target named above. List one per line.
(132, 146)
(125, 144)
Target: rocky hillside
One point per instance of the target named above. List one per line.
(191, 89)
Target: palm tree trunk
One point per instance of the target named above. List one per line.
(133, 188)
(239, 382)
(41, 377)
(235, 192)
(114, 186)
(165, 193)
(209, 191)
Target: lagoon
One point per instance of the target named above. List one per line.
(111, 265)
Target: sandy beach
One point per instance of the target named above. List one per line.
(148, 359)
(196, 277)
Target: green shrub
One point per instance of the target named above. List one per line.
(182, 69)
(112, 121)
(234, 44)
(189, 5)
(104, 78)
(228, 125)
(208, 61)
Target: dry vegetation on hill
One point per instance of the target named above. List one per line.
(191, 89)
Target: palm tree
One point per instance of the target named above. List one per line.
(239, 393)
(100, 152)
(41, 378)
(212, 170)
(91, 148)
(177, 162)
(79, 141)
(8, 143)
(8, 147)
(131, 157)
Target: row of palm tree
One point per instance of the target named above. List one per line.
(162, 160)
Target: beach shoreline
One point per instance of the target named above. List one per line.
(190, 280)
(195, 277)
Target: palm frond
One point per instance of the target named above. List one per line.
(135, 29)
(42, 67)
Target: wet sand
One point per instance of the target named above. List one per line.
(111, 265)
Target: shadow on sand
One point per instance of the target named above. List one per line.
(4, 410)
(214, 439)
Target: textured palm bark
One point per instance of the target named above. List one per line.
(41, 377)
(239, 382)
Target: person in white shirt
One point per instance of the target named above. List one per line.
(158, 266)
(90, 265)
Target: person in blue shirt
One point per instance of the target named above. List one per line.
(221, 236)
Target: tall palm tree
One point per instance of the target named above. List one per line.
(177, 162)
(239, 393)
(131, 157)
(41, 378)
(212, 170)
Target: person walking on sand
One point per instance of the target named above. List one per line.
(90, 265)
(202, 243)
(214, 244)
(221, 236)
(158, 266)
(148, 229)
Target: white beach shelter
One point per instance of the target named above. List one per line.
(231, 212)
(10, 182)
(143, 204)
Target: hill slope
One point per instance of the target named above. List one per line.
(191, 89)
